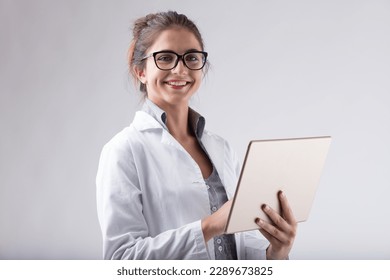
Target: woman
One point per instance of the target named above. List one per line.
(164, 183)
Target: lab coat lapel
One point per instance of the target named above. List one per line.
(145, 122)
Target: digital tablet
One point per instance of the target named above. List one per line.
(293, 166)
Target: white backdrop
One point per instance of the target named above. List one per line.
(279, 69)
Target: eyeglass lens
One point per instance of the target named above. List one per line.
(168, 61)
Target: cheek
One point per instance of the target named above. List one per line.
(155, 77)
(160, 78)
(199, 78)
(150, 72)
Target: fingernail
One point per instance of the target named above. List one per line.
(265, 207)
(282, 194)
(258, 221)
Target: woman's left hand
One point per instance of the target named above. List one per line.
(282, 233)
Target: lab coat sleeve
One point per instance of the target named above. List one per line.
(120, 212)
(254, 245)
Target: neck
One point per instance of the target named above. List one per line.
(177, 122)
(177, 119)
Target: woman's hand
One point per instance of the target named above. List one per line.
(282, 233)
(215, 224)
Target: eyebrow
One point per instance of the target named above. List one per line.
(189, 50)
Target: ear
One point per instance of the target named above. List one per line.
(140, 74)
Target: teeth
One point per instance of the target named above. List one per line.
(177, 83)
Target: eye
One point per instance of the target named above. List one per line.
(165, 57)
(192, 57)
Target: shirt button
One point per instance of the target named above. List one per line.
(214, 209)
(220, 248)
(219, 241)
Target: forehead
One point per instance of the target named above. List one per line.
(179, 40)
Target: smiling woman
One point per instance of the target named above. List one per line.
(164, 182)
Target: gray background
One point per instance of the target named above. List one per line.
(279, 69)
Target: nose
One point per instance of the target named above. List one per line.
(180, 68)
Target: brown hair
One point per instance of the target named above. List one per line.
(145, 31)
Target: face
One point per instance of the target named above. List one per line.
(176, 86)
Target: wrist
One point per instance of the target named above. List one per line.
(268, 253)
(271, 255)
(209, 228)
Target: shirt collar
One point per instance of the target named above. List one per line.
(196, 121)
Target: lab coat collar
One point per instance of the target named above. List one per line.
(196, 121)
(156, 112)
(143, 122)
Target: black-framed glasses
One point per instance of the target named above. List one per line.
(167, 60)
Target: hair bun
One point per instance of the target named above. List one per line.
(142, 23)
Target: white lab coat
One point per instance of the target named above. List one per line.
(151, 196)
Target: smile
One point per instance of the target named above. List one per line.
(177, 83)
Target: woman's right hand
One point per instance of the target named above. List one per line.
(215, 224)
